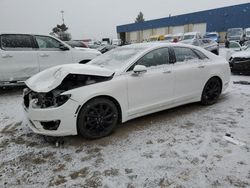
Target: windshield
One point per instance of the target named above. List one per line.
(116, 58)
(210, 35)
(186, 37)
(234, 32)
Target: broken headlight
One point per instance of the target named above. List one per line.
(61, 99)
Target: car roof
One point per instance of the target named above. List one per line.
(151, 45)
(191, 33)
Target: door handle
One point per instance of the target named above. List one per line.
(167, 72)
(44, 55)
(6, 56)
(201, 67)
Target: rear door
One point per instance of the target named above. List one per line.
(50, 54)
(190, 72)
(18, 57)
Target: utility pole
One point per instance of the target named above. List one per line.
(62, 16)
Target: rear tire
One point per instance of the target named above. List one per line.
(211, 91)
(98, 118)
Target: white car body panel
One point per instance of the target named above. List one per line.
(159, 79)
(137, 95)
(17, 65)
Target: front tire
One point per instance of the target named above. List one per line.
(98, 118)
(211, 91)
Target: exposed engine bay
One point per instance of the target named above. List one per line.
(54, 98)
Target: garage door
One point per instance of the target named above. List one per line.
(133, 36)
(202, 28)
(160, 31)
(146, 34)
(178, 29)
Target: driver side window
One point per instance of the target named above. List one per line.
(154, 58)
(47, 42)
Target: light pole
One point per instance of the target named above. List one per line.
(62, 16)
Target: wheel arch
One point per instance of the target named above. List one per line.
(215, 76)
(218, 77)
(117, 104)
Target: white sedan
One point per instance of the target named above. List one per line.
(123, 84)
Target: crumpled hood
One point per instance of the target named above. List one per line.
(49, 79)
(243, 54)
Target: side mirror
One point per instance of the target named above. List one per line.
(138, 69)
(63, 48)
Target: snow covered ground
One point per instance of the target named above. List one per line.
(181, 147)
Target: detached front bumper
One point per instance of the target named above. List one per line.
(65, 115)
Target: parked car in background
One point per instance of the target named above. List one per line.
(247, 34)
(93, 44)
(233, 47)
(156, 38)
(192, 35)
(178, 36)
(23, 55)
(213, 36)
(246, 43)
(117, 42)
(125, 83)
(235, 34)
(207, 44)
(105, 48)
(77, 44)
(168, 38)
(240, 61)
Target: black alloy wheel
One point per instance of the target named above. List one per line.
(98, 118)
(211, 91)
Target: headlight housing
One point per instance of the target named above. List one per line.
(61, 99)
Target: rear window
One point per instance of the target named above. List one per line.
(184, 54)
(200, 54)
(16, 42)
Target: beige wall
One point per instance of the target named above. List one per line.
(222, 36)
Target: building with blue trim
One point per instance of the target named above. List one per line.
(218, 20)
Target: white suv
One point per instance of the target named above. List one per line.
(23, 55)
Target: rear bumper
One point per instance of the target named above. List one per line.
(66, 114)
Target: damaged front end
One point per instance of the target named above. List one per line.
(55, 97)
(48, 104)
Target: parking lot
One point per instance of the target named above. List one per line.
(181, 147)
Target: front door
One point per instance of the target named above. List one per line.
(153, 89)
(50, 54)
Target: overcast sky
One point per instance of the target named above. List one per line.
(94, 19)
